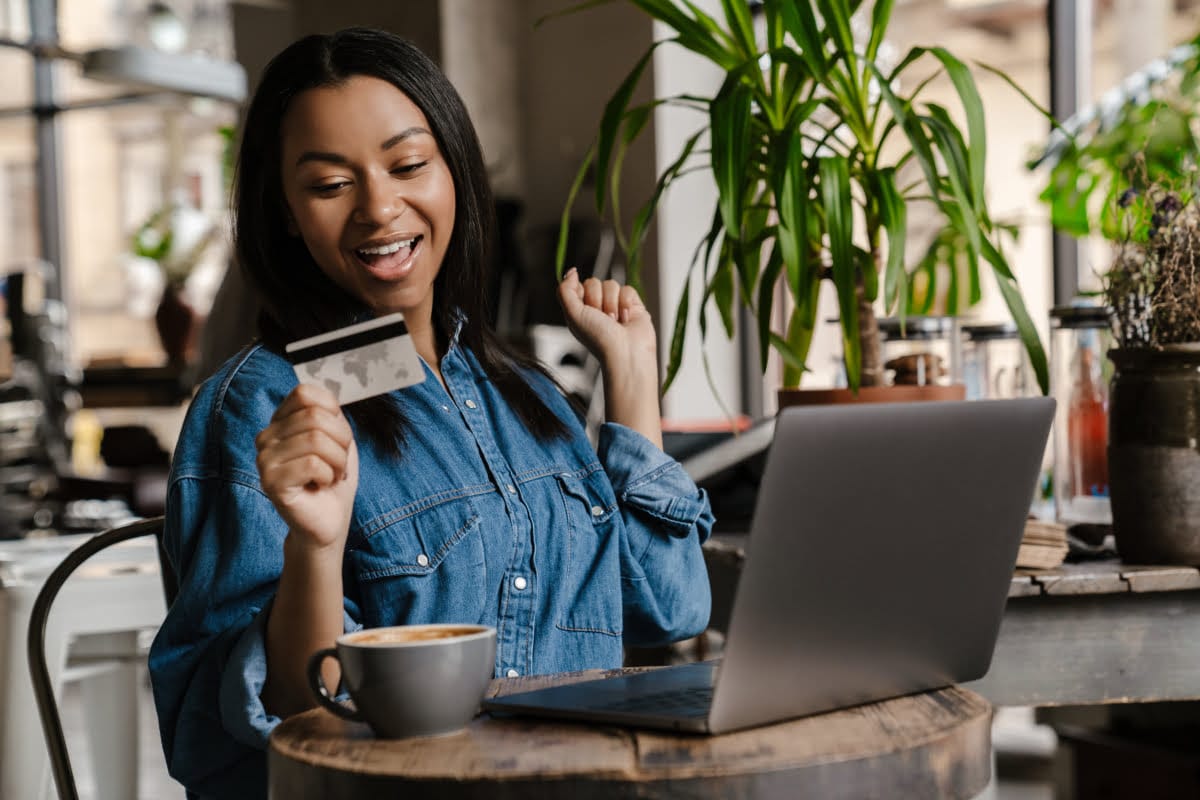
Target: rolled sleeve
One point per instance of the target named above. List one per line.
(242, 711)
(648, 480)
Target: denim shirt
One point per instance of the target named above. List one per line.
(569, 551)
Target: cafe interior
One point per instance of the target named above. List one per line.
(121, 295)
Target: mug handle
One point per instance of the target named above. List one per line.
(317, 684)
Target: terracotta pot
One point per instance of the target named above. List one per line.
(871, 394)
(178, 325)
(1153, 456)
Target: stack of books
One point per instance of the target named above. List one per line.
(1044, 545)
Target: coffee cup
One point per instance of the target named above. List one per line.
(410, 680)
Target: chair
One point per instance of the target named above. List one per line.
(39, 671)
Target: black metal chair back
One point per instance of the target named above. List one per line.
(39, 672)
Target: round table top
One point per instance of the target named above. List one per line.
(934, 744)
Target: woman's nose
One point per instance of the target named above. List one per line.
(379, 202)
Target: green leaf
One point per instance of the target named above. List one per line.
(972, 103)
(641, 222)
(1016, 306)
(675, 353)
(800, 21)
(679, 333)
(614, 112)
(793, 361)
(692, 33)
(881, 14)
(575, 9)
(720, 287)
(730, 115)
(635, 121)
(927, 266)
(893, 215)
(1068, 192)
(837, 23)
(958, 250)
(950, 148)
(560, 252)
(737, 15)
(799, 340)
(775, 28)
(755, 232)
(839, 221)
(766, 302)
(914, 132)
(791, 197)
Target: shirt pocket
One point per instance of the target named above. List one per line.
(423, 567)
(589, 596)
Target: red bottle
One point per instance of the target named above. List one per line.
(1087, 429)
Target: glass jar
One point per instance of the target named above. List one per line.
(921, 352)
(1079, 379)
(994, 362)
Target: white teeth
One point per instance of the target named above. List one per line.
(387, 249)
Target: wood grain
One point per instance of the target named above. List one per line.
(925, 745)
(1089, 577)
(1161, 579)
(1090, 649)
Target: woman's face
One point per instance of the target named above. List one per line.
(368, 191)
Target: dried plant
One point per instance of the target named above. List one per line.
(1153, 285)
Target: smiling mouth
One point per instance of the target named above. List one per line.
(389, 259)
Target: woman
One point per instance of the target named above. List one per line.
(471, 497)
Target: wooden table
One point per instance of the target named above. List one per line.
(1090, 633)
(1098, 632)
(936, 744)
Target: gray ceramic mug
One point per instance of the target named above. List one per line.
(410, 680)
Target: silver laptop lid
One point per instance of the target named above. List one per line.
(889, 534)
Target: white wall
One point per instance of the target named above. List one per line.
(684, 217)
(481, 44)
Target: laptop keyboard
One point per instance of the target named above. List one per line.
(691, 701)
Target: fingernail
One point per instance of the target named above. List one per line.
(572, 272)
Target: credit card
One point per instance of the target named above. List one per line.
(360, 360)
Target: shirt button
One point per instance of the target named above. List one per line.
(445, 408)
(597, 511)
(520, 583)
(423, 560)
(512, 673)
(511, 489)
(470, 404)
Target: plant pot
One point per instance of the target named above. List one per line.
(177, 324)
(871, 394)
(1153, 460)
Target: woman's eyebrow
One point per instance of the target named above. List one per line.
(337, 158)
(416, 130)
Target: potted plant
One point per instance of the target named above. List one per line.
(1141, 132)
(810, 139)
(1153, 291)
(175, 238)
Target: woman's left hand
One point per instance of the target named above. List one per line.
(611, 321)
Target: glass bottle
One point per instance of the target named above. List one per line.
(1079, 373)
(1087, 427)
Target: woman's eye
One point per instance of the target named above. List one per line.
(329, 188)
(408, 169)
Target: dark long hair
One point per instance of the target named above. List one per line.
(297, 298)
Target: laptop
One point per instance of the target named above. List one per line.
(880, 555)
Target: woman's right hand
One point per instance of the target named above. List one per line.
(308, 467)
